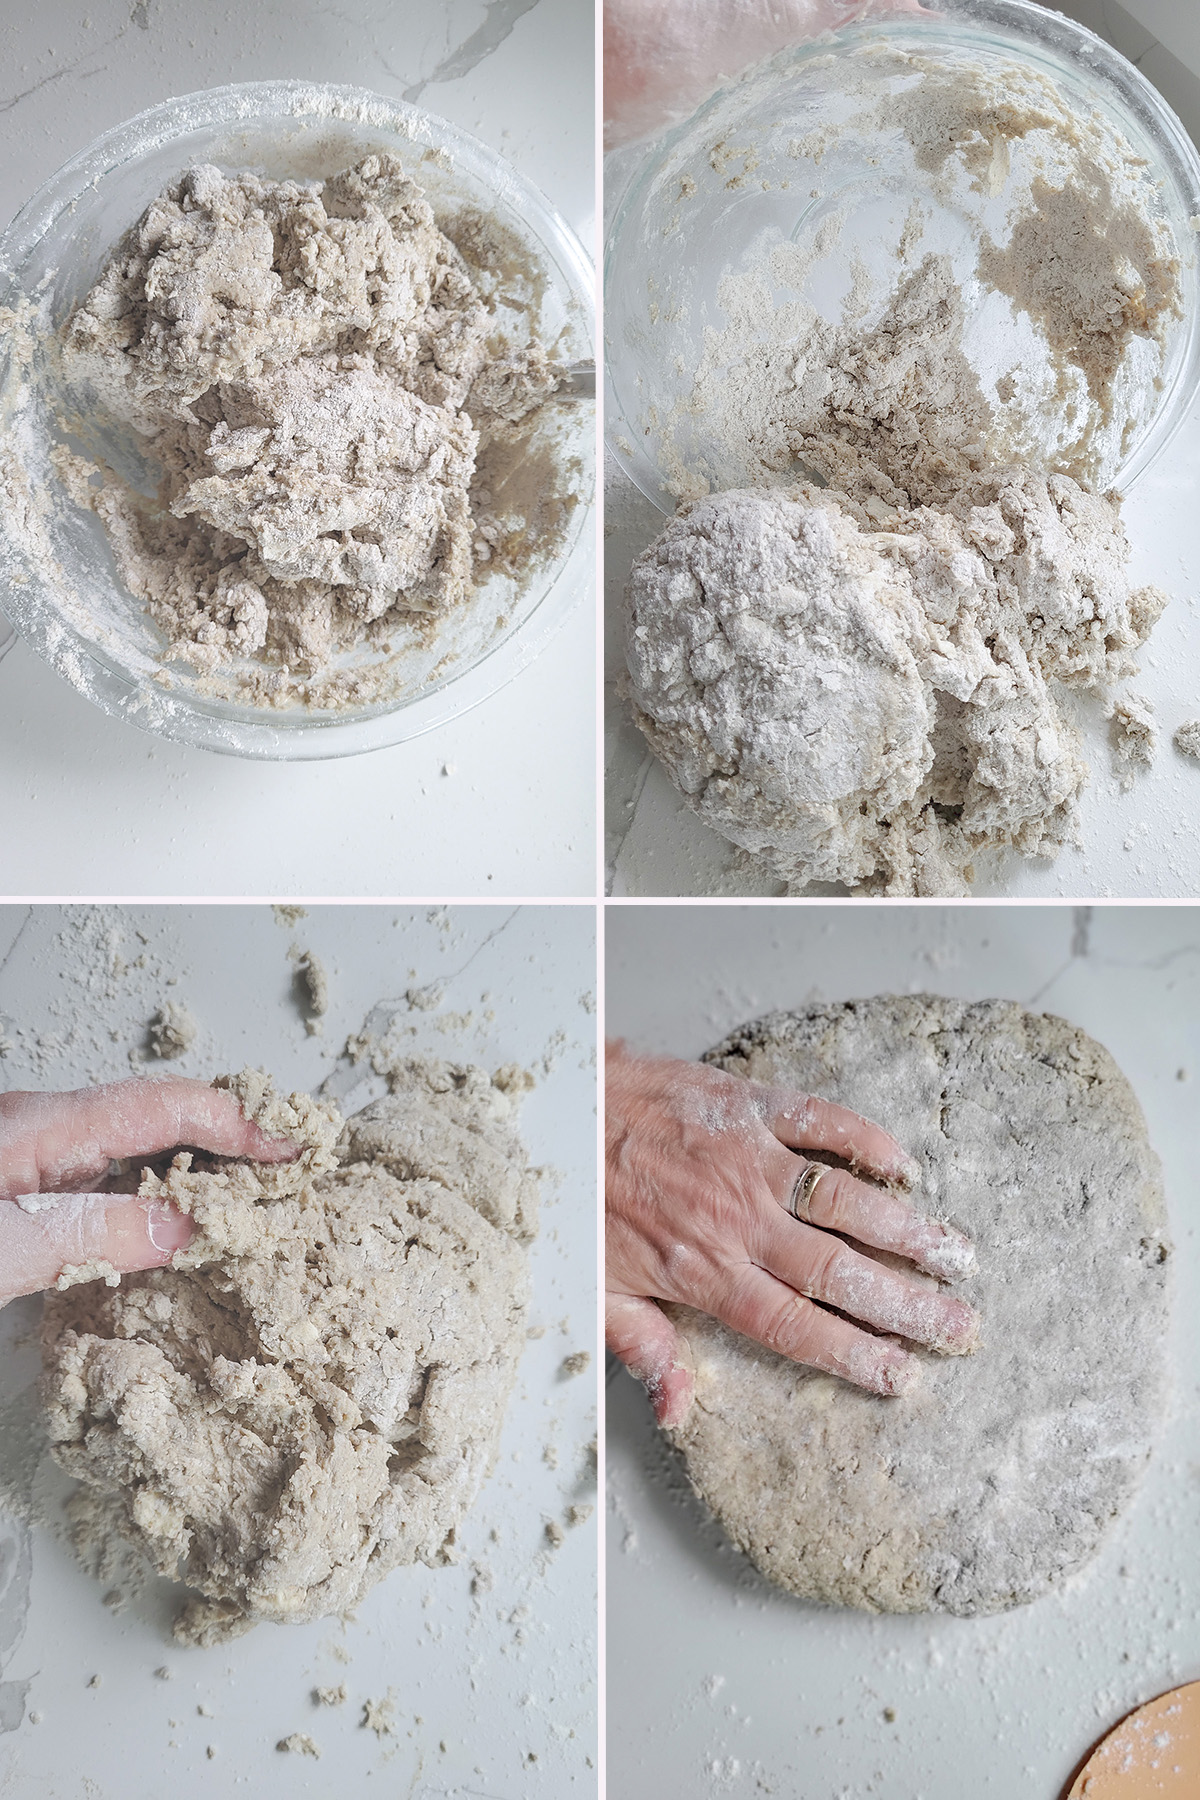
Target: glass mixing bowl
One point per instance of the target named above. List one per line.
(736, 178)
(61, 588)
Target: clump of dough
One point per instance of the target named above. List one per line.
(314, 370)
(311, 1395)
(878, 706)
(1134, 736)
(312, 986)
(173, 1030)
(1186, 738)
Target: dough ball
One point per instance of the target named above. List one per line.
(771, 665)
(313, 1395)
(998, 1475)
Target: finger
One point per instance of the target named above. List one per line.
(70, 1231)
(822, 1267)
(774, 1314)
(54, 1140)
(807, 1123)
(640, 1333)
(872, 1215)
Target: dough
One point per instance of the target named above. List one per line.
(997, 1476)
(172, 1030)
(314, 370)
(873, 706)
(312, 1394)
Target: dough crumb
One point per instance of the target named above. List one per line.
(555, 1535)
(95, 1681)
(1187, 738)
(1134, 736)
(288, 915)
(576, 1363)
(379, 1716)
(172, 1031)
(579, 1515)
(300, 1743)
(312, 986)
(512, 1079)
(330, 1696)
(211, 1752)
(95, 1269)
(164, 1674)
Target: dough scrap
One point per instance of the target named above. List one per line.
(1186, 738)
(1134, 735)
(997, 1476)
(312, 1394)
(173, 1030)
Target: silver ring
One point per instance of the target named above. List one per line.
(802, 1192)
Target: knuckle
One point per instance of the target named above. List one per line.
(824, 1259)
(787, 1326)
(834, 1200)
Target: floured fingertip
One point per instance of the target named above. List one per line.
(949, 1255)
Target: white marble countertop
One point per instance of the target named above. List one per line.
(90, 805)
(721, 1685)
(490, 1663)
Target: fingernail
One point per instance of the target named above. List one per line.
(961, 1334)
(948, 1254)
(898, 1373)
(168, 1229)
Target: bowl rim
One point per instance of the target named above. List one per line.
(278, 736)
(1011, 25)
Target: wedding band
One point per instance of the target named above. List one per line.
(801, 1201)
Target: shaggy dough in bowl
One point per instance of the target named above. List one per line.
(313, 1393)
(997, 1476)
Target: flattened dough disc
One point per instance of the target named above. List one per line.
(1154, 1751)
(997, 1476)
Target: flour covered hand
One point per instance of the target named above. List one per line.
(55, 1146)
(661, 61)
(708, 1204)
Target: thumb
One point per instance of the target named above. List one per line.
(640, 1333)
(70, 1230)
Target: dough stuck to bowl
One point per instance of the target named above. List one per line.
(998, 1475)
(312, 1395)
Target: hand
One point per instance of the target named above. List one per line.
(63, 1144)
(663, 57)
(699, 1179)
